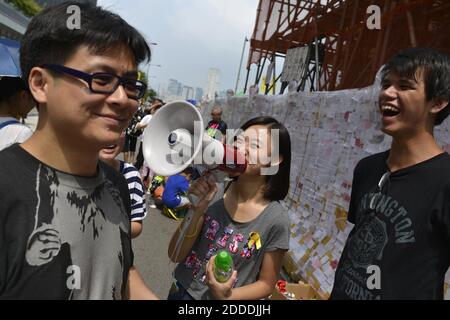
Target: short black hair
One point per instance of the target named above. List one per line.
(189, 171)
(158, 100)
(9, 86)
(49, 40)
(277, 186)
(435, 67)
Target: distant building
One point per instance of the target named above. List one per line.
(162, 89)
(188, 93)
(174, 88)
(198, 94)
(213, 83)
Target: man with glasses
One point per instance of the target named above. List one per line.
(399, 247)
(65, 215)
(217, 128)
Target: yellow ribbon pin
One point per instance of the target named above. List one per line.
(254, 238)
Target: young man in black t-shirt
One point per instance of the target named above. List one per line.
(64, 215)
(399, 247)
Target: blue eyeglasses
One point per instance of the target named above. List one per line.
(103, 82)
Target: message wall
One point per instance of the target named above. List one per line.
(330, 132)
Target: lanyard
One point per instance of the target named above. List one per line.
(381, 184)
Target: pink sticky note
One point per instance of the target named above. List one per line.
(316, 263)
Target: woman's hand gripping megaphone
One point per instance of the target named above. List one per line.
(202, 191)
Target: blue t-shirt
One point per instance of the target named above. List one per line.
(176, 186)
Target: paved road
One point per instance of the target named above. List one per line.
(150, 251)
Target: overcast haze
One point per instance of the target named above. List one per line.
(192, 36)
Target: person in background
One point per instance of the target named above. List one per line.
(217, 128)
(144, 170)
(132, 134)
(176, 188)
(15, 103)
(135, 187)
(156, 104)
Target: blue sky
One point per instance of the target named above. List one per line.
(192, 36)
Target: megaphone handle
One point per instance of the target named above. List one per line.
(215, 176)
(187, 222)
(188, 219)
(218, 176)
(192, 198)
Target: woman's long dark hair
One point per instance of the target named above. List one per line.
(277, 185)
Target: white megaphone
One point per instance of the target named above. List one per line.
(175, 138)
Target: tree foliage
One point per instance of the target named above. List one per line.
(29, 7)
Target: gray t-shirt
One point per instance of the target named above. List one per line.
(62, 236)
(268, 232)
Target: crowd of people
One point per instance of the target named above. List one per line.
(79, 207)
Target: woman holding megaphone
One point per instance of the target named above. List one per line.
(249, 223)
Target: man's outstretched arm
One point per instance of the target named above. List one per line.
(136, 287)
